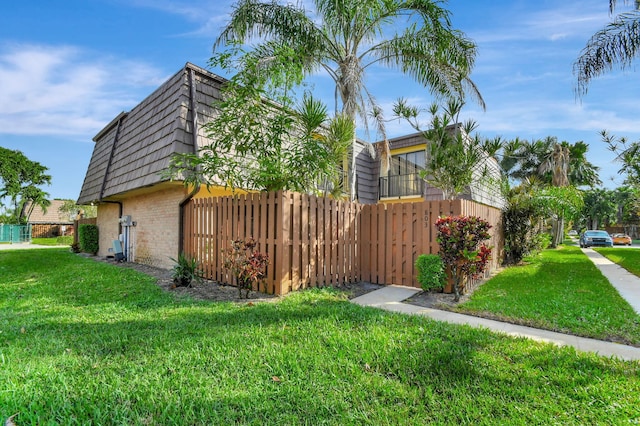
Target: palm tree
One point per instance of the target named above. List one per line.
(556, 163)
(615, 44)
(346, 37)
(550, 161)
(581, 171)
(627, 154)
(31, 197)
(599, 208)
(522, 159)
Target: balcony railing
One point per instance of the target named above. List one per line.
(401, 186)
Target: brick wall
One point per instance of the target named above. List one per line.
(155, 237)
(108, 229)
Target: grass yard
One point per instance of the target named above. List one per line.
(83, 342)
(628, 258)
(55, 241)
(559, 290)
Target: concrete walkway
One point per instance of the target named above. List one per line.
(26, 246)
(390, 298)
(627, 284)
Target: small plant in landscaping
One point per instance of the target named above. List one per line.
(431, 274)
(185, 271)
(246, 264)
(75, 247)
(462, 249)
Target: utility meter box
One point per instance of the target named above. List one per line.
(126, 220)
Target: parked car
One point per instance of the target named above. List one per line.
(596, 238)
(573, 233)
(623, 239)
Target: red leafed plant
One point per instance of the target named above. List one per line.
(462, 248)
(248, 265)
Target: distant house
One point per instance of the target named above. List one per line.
(51, 223)
(144, 210)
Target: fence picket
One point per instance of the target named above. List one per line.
(314, 241)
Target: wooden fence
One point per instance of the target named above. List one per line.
(314, 241)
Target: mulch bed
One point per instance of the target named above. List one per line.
(213, 291)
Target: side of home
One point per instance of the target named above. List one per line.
(124, 178)
(144, 209)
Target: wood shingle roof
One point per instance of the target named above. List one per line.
(51, 216)
(133, 149)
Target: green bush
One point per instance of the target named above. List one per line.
(542, 241)
(519, 223)
(88, 238)
(431, 274)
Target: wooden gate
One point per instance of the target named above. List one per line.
(313, 241)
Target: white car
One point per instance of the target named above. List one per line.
(573, 233)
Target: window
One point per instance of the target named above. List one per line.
(406, 164)
(403, 178)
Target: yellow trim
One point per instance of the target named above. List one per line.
(400, 200)
(408, 149)
(217, 191)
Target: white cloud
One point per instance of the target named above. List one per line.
(209, 16)
(64, 90)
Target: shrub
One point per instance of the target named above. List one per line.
(248, 265)
(519, 228)
(462, 249)
(431, 273)
(542, 241)
(75, 247)
(88, 238)
(185, 271)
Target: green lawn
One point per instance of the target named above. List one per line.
(83, 342)
(628, 258)
(55, 241)
(559, 290)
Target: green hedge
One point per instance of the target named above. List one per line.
(431, 274)
(88, 238)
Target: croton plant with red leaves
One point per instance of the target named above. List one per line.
(462, 248)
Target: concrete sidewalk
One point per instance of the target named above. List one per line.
(390, 298)
(26, 246)
(627, 284)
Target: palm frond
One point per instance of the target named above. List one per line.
(617, 44)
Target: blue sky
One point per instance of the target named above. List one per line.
(68, 67)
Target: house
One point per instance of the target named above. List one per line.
(144, 210)
(51, 223)
(403, 182)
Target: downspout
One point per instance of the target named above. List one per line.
(106, 172)
(194, 138)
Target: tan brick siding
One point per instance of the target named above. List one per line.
(155, 238)
(107, 222)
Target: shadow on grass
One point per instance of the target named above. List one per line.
(334, 360)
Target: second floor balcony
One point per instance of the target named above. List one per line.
(398, 186)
